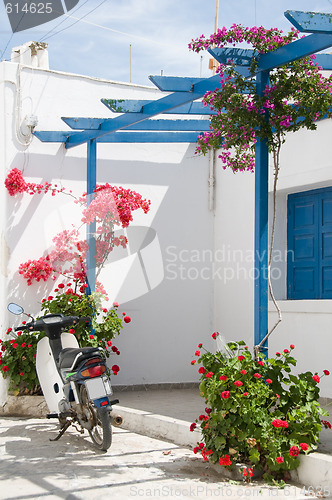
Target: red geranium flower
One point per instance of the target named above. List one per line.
(257, 375)
(286, 351)
(280, 460)
(268, 381)
(209, 374)
(5, 368)
(193, 362)
(241, 358)
(316, 378)
(127, 319)
(326, 372)
(223, 377)
(193, 426)
(243, 372)
(294, 451)
(197, 353)
(292, 346)
(238, 383)
(304, 446)
(225, 394)
(215, 335)
(201, 370)
(225, 460)
(246, 394)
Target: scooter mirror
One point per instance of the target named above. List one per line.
(15, 308)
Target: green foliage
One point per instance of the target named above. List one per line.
(19, 351)
(258, 412)
(18, 361)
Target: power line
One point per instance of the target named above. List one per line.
(63, 21)
(77, 20)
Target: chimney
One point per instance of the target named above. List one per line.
(33, 54)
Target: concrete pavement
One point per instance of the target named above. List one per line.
(34, 468)
(155, 435)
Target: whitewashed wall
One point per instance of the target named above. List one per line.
(177, 313)
(306, 163)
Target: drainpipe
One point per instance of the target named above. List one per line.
(211, 181)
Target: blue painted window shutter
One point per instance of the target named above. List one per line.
(309, 245)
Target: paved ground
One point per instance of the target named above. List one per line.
(33, 468)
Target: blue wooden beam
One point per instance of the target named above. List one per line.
(310, 22)
(148, 110)
(261, 230)
(293, 51)
(157, 125)
(91, 228)
(243, 57)
(174, 83)
(190, 108)
(125, 137)
(226, 55)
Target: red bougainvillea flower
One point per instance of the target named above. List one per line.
(238, 383)
(326, 372)
(257, 375)
(241, 358)
(316, 378)
(209, 374)
(304, 446)
(201, 370)
(294, 451)
(280, 460)
(225, 394)
(215, 335)
(223, 378)
(268, 381)
(193, 426)
(279, 423)
(225, 460)
(127, 319)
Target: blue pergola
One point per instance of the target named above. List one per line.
(134, 124)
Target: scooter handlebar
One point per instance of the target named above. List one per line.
(52, 319)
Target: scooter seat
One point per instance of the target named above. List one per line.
(68, 355)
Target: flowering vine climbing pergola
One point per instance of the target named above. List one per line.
(133, 124)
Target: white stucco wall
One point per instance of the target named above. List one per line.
(171, 311)
(306, 163)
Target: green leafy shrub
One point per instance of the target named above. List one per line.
(258, 413)
(18, 353)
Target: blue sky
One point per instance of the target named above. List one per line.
(157, 30)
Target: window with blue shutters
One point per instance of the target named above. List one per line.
(309, 245)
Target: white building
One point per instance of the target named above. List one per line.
(189, 268)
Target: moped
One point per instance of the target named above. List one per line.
(74, 380)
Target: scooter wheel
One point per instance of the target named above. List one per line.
(101, 432)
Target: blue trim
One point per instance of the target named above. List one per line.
(91, 228)
(151, 125)
(261, 231)
(309, 245)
